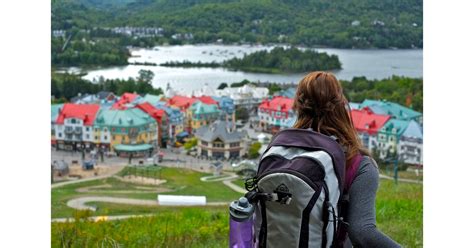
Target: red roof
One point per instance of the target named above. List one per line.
(124, 99)
(181, 102)
(278, 103)
(206, 99)
(366, 121)
(146, 107)
(85, 112)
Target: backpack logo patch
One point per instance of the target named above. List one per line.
(282, 194)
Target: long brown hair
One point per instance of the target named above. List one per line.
(322, 106)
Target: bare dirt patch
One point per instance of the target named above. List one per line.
(76, 172)
(141, 180)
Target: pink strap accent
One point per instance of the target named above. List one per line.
(351, 172)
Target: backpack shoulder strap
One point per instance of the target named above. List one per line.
(351, 172)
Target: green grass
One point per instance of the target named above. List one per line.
(400, 212)
(186, 227)
(399, 215)
(179, 181)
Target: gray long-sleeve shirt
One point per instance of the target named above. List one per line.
(361, 213)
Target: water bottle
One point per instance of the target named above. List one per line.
(241, 224)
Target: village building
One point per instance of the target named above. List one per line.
(126, 132)
(395, 110)
(152, 99)
(204, 91)
(201, 114)
(55, 110)
(247, 96)
(410, 145)
(175, 121)
(161, 119)
(290, 92)
(388, 137)
(127, 100)
(181, 102)
(367, 124)
(219, 140)
(402, 140)
(106, 96)
(227, 107)
(85, 99)
(276, 114)
(74, 126)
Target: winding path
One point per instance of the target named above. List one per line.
(227, 181)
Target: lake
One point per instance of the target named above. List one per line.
(373, 64)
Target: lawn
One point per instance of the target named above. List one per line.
(399, 215)
(179, 182)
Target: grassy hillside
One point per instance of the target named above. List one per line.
(399, 215)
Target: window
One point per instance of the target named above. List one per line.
(204, 143)
(87, 136)
(105, 137)
(218, 144)
(60, 135)
(235, 144)
(96, 137)
(73, 121)
(87, 129)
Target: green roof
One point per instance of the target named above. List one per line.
(152, 99)
(400, 126)
(390, 108)
(201, 108)
(123, 118)
(133, 148)
(55, 108)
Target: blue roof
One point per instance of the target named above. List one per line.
(413, 130)
(290, 93)
(175, 116)
(225, 103)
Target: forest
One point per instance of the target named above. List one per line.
(281, 60)
(330, 23)
(65, 86)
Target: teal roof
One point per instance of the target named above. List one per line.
(390, 108)
(201, 108)
(55, 108)
(133, 148)
(123, 118)
(400, 126)
(354, 105)
(152, 99)
(413, 130)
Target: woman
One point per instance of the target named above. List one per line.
(321, 105)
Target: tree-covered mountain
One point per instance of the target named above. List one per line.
(333, 23)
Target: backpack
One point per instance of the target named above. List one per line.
(298, 191)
